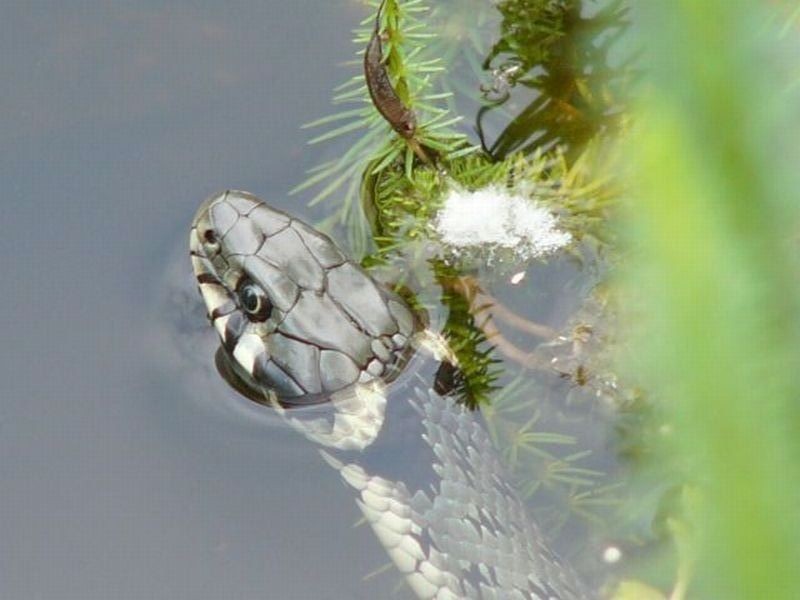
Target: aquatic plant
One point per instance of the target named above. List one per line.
(404, 36)
(387, 196)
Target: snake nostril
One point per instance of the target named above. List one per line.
(209, 236)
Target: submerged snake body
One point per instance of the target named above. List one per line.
(302, 325)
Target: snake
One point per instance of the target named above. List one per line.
(350, 365)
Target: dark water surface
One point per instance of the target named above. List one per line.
(116, 120)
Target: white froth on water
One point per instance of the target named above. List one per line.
(493, 217)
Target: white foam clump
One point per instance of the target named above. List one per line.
(493, 217)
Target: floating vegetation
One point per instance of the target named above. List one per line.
(401, 209)
(478, 368)
(389, 188)
(403, 36)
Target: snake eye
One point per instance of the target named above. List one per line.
(254, 301)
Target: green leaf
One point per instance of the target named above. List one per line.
(347, 114)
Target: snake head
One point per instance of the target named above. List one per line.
(296, 318)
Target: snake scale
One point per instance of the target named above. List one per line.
(349, 365)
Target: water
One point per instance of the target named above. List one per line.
(120, 480)
(117, 119)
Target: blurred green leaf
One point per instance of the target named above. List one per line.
(713, 216)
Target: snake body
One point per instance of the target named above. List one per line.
(300, 324)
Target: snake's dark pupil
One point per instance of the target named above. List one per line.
(250, 299)
(253, 300)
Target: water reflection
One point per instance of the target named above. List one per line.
(567, 55)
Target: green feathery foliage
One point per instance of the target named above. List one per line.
(387, 199)
(405, 36)
(401, 210)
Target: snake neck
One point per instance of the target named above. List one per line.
(355, 417)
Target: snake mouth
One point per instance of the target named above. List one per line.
(297, 320)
